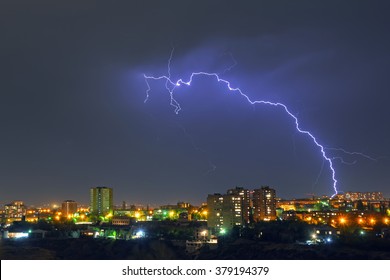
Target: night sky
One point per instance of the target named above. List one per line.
(72, 111)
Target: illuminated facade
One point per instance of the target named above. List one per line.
(121, 221)
(245, 201)
(264, 204)
(32, 215)
(69, 207)
(101, 200)
(353, 196)
(214, 209)
(15, 211)
(232, 211)
(228, 210)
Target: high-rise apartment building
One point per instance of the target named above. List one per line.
(101, 200)
(245, 201)
(69, 207)
(264, 204)
(232, 211)
(228, 210)
(214, 210)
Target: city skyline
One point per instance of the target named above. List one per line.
(250, 216)
(112, 202)
(237, 208)
(73, 111)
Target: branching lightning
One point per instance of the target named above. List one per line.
(234, 62)
(352, 153)
(344, 161)
(171, 86)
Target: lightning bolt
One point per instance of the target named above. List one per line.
(352, 153)
(344, 161)
(171, 86)
(234, 62)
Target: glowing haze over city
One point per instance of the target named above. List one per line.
(176, 100)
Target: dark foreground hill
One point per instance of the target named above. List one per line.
(252, 250)
(89, 249)
(153, 249)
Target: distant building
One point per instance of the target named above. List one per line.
(232, 211)
(32, 215)
(246, 203)
(15, 211)
(2, 215)
(264, 204)
(193, 246)
(101, 200)
(214, 209)
(69, 207)
(305, 204)
(121, 221)
(183, 205)
(353, 196)
(228, 210)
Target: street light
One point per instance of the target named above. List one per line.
(204, 233)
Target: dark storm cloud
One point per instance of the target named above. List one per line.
(72, 112)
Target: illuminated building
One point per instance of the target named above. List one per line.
(44, 213)
(264, 204)
(139, 214)
(2, 215)
(195, 245)
(286, 205)
(307, 204)
(184, 205)
(228, 210)
(32, 215)
(15, 211)
(179, 211)
(232, 211)
(101, 200)
(353, 196)
(121, 221)
(214, 209)
(69, 207)
(246, 205)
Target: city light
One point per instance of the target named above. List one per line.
(18, 235)
(139, 234)
(343, 223)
